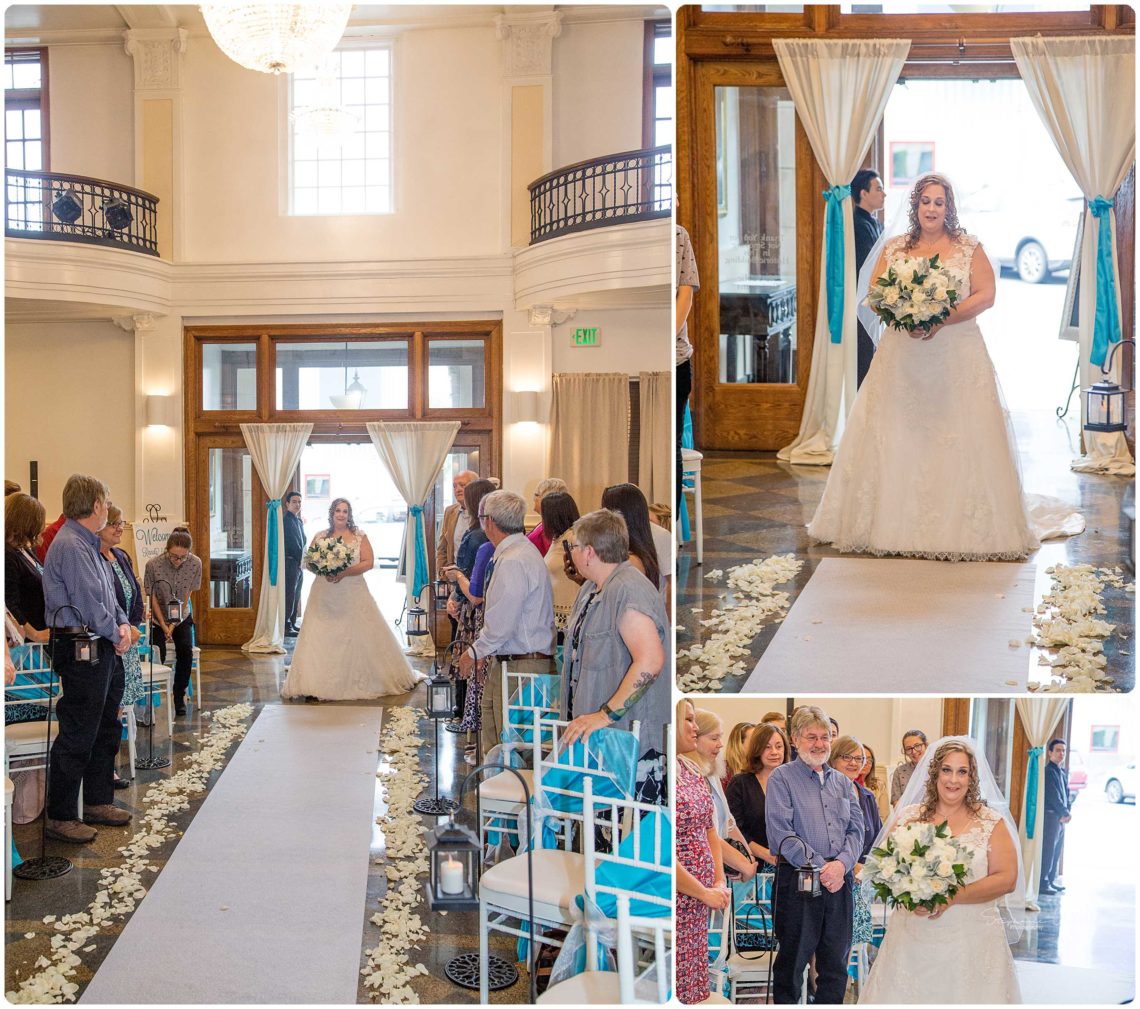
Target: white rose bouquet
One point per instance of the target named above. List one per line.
(916, 293)
(920, 865)
(329, 556)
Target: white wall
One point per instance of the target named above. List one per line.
(598, 71)
(630, 340)
(447, 159)
(91, 112)
(70, 405)
(877, 721)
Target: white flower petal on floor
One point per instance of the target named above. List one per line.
(389, 968)
(122, 886)
(754, 601)
(1068, 631)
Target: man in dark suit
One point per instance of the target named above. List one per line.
(294, 551)
(868, 196)
(1057, 814)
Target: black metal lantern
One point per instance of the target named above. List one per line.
(173, 610)
(83, 642)
(453, 868)
(1104, 402)
(417, 625)
(807, 880)
(440, 697)
(117, 214)
(442, 593)
(67, 206)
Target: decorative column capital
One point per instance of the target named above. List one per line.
(548, 315)
(156, 53)
(528, 42)
(142, 323)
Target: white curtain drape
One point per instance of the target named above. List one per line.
(1084, 89)
(414, 453)
(275, 450)
(589, 433)
(840, 90)
(1039, 717)
(655, 444)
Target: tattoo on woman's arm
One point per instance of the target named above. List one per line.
(644, 681)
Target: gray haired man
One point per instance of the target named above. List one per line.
(518, 611)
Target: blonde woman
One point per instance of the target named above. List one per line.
(736, 751)
(710, 756)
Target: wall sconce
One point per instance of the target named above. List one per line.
(160, 411)
(528, 408)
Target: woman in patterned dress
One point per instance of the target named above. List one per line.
(847, 757)
(700, 876)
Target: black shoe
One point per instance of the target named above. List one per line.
(1054, 888)
(122, 782)
(290, 632)
(180, 709)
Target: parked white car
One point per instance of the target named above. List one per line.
(1121, 783)
(1035, 244)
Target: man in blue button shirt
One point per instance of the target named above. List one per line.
(78, 591)
(812, 819)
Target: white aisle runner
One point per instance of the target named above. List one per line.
(263, 899)
(898, 625)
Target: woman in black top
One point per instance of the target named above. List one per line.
(23, 574)
(767, 749)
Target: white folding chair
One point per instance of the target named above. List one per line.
(9, 794)
(559, 873)
(163, 678)
(530, 700)
(644, 854)
(26, 744)
(691, 461)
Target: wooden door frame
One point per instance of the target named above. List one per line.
(742, 399)
(972, 46)
(485, 422)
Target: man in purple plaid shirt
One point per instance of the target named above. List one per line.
(812, 819)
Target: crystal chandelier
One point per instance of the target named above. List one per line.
(326, 121)
(276, 38)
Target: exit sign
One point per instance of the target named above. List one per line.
(586, 337)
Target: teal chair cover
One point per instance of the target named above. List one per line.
(636, 879)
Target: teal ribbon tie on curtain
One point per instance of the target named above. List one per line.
(1106, 327)
(420, 565)
(1031, 790)
(274, 507)
(835, 257)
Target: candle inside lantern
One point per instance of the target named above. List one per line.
(451, 876)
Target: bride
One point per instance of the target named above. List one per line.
(346, 650)
(927, 466)
(953, 783)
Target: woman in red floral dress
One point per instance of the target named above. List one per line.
(700, 875)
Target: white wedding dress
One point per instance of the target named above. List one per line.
(346, 650)
(959, 958)
(927, 465)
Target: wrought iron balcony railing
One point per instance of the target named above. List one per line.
(617, 189)
(72, 208)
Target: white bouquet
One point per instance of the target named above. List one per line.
(920, 865)
(329, 556)
(916, 293)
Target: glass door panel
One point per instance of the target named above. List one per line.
(756, 234)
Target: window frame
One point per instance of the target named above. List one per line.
(32, 98)
(287, 177)
(653, 76)
(1094, 729)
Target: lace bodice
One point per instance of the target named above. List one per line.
(957, 263)
(976, 839)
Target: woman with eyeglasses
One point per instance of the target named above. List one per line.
(465, 607)
(617, 647)
(169, 577)
(913, 747)
(847, 758)
(130, 596)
